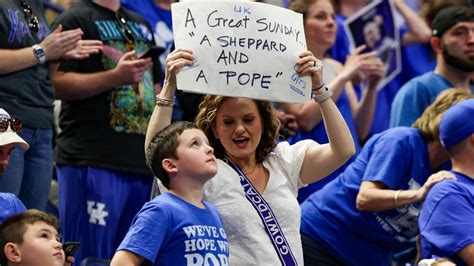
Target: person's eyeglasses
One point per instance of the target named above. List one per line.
(15, 124)
(126, 32)
(32, 20)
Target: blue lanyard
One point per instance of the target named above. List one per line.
(268, 218)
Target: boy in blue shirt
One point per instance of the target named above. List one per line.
(177, 227)
(447, 219)
(31, 238)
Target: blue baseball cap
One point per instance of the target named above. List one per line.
(457, 123)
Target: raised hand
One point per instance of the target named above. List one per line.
(129, 70)
(175, 61)
(59, 42)
(354, 62)
(373, 70)
(309, 64)
(83, 49)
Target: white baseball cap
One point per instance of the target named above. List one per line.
(9, 136)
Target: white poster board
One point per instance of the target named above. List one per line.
(242, 49)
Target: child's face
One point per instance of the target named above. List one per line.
(196, 157)
(41, 246)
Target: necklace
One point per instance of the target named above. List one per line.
(253, 170)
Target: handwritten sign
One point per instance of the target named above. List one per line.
(241, 49)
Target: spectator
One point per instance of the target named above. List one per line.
(8, 139)
(453, 43)
(158, 15)
(161, 233)
(320, 29)
(374, 204)
(447, 218)
(417, 32)
(243, 132)
(31, 238)
(419, 58)
(107, 101)
(28, 52)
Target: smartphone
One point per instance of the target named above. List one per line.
(153, 52)
(70, 248)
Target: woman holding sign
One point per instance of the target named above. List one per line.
(320, 30)
(257, 180)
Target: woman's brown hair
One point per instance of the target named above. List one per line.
(206, 120)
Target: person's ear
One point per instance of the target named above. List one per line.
(436, 44)
(12, 253)
(169, 166)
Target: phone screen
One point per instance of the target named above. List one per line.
(152, 53)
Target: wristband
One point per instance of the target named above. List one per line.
(396, 198)
(319, 98)
(164, 102)
(320, 87)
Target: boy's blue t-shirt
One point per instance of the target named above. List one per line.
(171, 231)
(397, 158)
(447, 219)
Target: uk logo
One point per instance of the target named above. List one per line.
(97, 215)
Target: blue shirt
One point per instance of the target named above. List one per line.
(171, 231)
(340, 49)
(415, 96)
(447, 219)
(10, 205)
(397, 158)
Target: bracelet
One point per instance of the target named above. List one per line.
(396, 198)
(319, 98)
(164, 102)
(318, 88)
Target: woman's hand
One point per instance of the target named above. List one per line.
(373, 71)
(175, 61)
(433, 180)
(309, 64)
(354, 63)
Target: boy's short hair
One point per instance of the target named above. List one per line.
(13, 228)
(163, 146)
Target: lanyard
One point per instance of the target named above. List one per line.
(268, 218)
